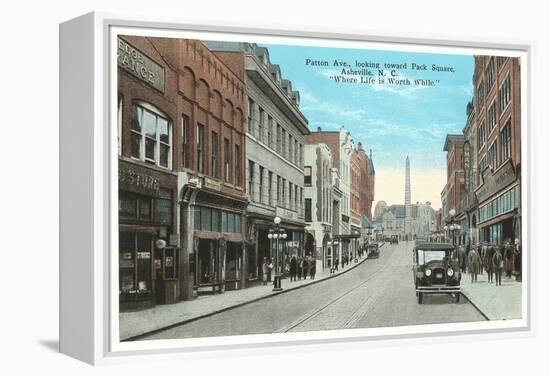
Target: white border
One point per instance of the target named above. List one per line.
(354, 39)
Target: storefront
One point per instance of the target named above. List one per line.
(215, 245)
(497, 217)
(148, 252)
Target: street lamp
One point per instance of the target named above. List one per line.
(452, 226)
(277, 234)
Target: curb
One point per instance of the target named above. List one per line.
(475, 306)
(271, 294)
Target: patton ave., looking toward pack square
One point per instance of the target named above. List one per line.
(237, 217)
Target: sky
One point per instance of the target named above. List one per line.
(391, 120)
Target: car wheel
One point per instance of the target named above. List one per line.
(420, 297)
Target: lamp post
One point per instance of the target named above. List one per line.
(452, 226)
(277, 234)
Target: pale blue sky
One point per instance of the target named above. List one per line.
(392, 121)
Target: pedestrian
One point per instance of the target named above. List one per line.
(313, 268)
(265, 271)
(473, 264)
(305, 267)
(293, 268)
(300, 268)
(488, 262)
(463, 257)
(482, 252)
(517, 262)
(269, 269)
(335, 263)
(508, 261)
(498, 264)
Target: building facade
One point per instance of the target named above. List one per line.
(318, 203)
(181, 140)
(489, 205)
(274, 153)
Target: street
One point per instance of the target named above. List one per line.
(378, 293)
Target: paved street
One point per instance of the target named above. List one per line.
(377, 293)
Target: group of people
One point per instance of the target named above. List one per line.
(296, 267)
(495, 260)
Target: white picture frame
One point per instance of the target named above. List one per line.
(88, 326)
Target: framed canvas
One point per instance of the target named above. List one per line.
(244, 188)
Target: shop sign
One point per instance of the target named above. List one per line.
(212, 184)
(133, 180)
(139, 65)
(286, 214)
(494, 183)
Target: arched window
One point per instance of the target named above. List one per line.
(151, 135)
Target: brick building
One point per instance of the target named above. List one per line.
(275, 153)
(181, 140)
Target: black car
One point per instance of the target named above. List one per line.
(394, 239)
(435, 271)
(373, 251)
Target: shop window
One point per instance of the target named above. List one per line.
(163, 207)
(131, 206)
(135, 267)
(206, 218)
(151, 135)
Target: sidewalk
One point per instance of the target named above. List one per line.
(495, 302)
(134, 324)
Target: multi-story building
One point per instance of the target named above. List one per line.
(181, 140)
(454, 189)
(489, 202)
(274, 152)
(318, 203)
(342, 147)
(498, 119)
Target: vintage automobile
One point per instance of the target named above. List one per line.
(373, 251)
(394, 239)
(435, 271)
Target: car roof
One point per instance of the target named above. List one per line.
(435, 246)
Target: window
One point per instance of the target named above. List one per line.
(290, 201)
(226, 160)
(278, 138)
(493, 155)
(215, 150)
(261, 188)
(283, 193)
(301, 162)
(238, 165)
(492, 116)
(278, 190)
(270, 131)
(270, 188)
(295, 198)
(200, 148)
(186, 141)
(250, 116)
(163, 207)
(307, 175)
(296, 152)
(480, 93)
(504, 94)
(250, 178)
(290, 144)
(482, 135)
(137, 207)
(308, 210)
(506, 140)
(283, 146)
(490, 73)
(261, 125)
(151, 136)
